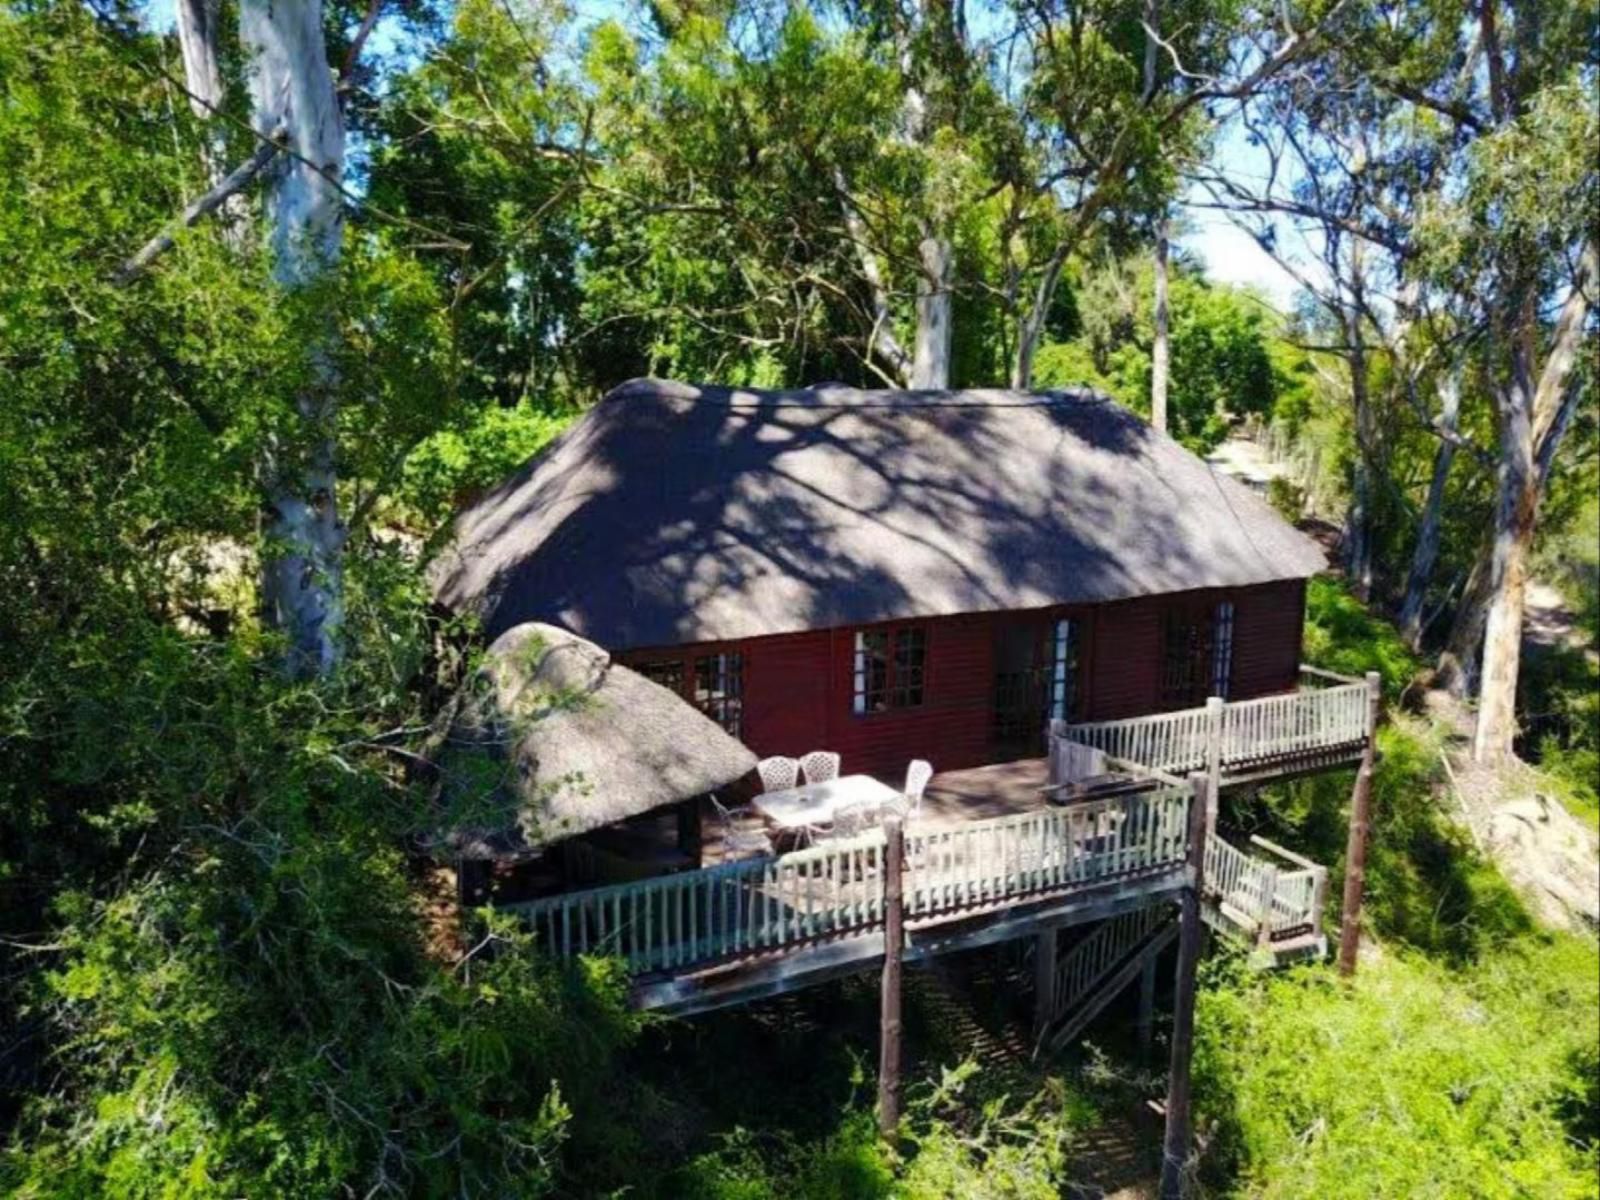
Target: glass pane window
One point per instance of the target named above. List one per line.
(1222, 650)
(668, 672)
(713, 683)
(719, 689)
(1064, 670)
(890, 669)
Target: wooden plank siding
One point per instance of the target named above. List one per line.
(797, 688)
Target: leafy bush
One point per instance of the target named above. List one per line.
(1411, 1080)
(1002, 1152)
(1342, 635)
(450, 466)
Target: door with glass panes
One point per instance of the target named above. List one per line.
(1035, 680)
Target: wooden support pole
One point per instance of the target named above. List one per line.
(1175, 1149)
(1044, 981)
(893, 947)
(1147, 1006)
(1355, 859)
(1269, 890)
(689, 839)
(1215, 707)
(472, 882)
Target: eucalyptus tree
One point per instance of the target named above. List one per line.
(1115, 96)
(1446, 170)
(1513, 230)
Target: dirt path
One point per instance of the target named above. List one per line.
(1549, 621)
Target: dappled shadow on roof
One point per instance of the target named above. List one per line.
(673, 513)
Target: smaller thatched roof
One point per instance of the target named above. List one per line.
(555, 739)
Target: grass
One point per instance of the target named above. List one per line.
(1418, 1079)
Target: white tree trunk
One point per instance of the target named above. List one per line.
(1159, 350)
(202, 73)
(882, 341)
(1516, 507)
(1031, 328)
(1426, 552)
(930, 364)
(1358, 525)
(292, 88)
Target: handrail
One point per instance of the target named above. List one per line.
(1283, 852)
(1082, 968)
(1244, 733)
(1323, 673)
(673, 922)
(1257, 897)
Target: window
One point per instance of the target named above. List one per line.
(668, 672)
(1222, 650)
(718, 689)
(1064, 670)
(1197, 659)
(715, 685)
(890, 667)
(1187, 658)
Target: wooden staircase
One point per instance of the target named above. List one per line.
(1097, 970)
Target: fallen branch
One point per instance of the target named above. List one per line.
(198, 209)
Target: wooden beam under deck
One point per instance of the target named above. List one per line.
(756, 976)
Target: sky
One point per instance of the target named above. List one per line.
(1229, 254)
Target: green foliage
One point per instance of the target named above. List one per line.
(1342, 635)
(1001, 1152)
(1414, 1080)
(1226, 360)
(452, 465)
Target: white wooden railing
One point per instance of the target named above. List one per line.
(836, 890)
(1174, 742)
(1258, 898)
(675, 921)
(1302, 722)
(1244, 733)
(1080, 970)
(984, 862)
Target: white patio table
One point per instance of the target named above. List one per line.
(815, 803)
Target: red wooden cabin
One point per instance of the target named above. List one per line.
(893, 575)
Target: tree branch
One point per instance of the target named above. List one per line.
(198, 209)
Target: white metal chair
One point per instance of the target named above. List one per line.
(737, 842)
(849, 820)
(819, 766)
(917, 776)
(778, 774)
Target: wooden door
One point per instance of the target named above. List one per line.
(1021, 703)
(1186, 658)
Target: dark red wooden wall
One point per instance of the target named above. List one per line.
(797, 687)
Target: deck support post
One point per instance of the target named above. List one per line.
(1215, 707)
(1044, 980)
(893, 948)
(1147, 1006)
(472, 882)
(1175, 1147)
(1355, 858)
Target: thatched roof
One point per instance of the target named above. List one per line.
(555, 739)
(672, 513)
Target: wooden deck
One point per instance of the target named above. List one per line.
(986, 859)
(979, 793)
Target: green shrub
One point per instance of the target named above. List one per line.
(453, 464)
(998, 1151)
(1342, 635)
(1413, 1081)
